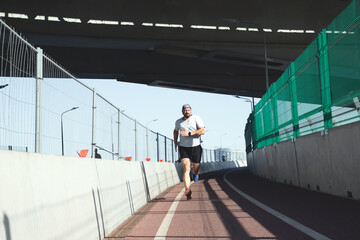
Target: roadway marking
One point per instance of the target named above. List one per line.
(290, 221)
(164, 227)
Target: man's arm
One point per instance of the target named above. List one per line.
(200, 131)
(176, 134)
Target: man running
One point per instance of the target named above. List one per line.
(191, 127)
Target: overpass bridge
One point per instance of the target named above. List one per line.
(302, 136)
(212, 46)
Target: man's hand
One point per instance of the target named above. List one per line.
(175, 143)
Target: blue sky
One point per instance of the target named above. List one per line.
(224, 116)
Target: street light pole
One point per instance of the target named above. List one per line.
(62, 128)
(233, 20)
(265, 56)
(247, 100)
(118, 134)
(147, 137)
(112, 135)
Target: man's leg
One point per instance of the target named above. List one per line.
(196, 168)
(196, 158)
(186, 176)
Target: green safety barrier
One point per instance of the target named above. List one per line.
(319, 90)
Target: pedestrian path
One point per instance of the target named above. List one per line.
(238, 206)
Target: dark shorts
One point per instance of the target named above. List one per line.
(193, 153)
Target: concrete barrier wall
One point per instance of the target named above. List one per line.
(328, 163)
(54, 197)
(215, 166)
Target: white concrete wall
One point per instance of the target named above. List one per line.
(327, 163)
(54, 197)
(215, 166)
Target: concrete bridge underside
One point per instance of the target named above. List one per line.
(123, 39)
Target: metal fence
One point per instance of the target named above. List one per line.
(45, 109)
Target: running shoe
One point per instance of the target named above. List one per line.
(188, 194)
(196, 178)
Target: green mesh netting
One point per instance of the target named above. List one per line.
(319, 90)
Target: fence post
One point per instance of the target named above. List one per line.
(325, 79)
(157, 146)
(147, 142)
(119, 115)
(165, 150)
(93, 143)
(39, 78)
(172, 150)
(273, 90)
(136, 143)
(294, 102)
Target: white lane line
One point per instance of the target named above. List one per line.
(164, 227)
(290, 221)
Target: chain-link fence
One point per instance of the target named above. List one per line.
(319, 90)
(45, 109)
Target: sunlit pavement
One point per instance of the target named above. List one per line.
(216, 211)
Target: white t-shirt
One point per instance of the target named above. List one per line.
(191, 124)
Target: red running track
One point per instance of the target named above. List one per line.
(217, 211)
